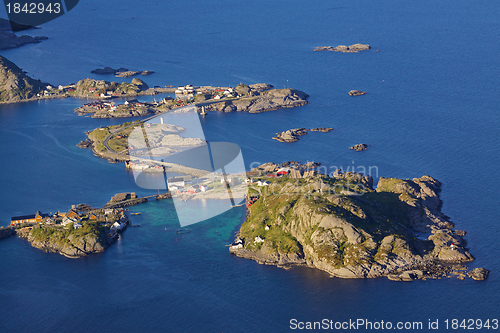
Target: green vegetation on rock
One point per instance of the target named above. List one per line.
(71, 242)
(15, 85)
(343, 226)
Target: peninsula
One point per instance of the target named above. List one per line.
(342, 225)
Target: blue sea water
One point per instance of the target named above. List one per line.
(431, 108)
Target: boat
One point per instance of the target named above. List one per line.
(183, 231)
(138, 213)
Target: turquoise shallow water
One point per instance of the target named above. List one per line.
(431, 108)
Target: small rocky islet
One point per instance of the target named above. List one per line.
(355, 48)
(357, 93)
(342, 225)
(359, 147)
(292, 135)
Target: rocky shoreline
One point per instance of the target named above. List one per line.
(81, 231)
(345, 227)
(258, 100)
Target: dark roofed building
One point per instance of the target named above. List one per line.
(36, 218)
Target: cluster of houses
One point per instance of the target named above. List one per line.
(50, 90)
(238, 243)
(98, 105)
(251, 201)
(185, 90)
(229, 92)
(76, 215)
(250, 181)
(133, 103)
(181, 184)
(107, 94)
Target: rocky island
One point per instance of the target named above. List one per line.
(120, 72)
(359, 147)
(357, 93)
(343, 226)
(9, 40)
(253, 98)
(81, 231)
(292, 134)
(355, 48)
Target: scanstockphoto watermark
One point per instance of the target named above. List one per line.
(360, 324)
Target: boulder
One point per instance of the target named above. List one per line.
(323, 48)
(478, 274)
(355, 48)
(260, 87)
(127, 74)
(291, 135)
(359, 147)
(356, 93)
(139, 83)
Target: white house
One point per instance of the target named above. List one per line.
(266, 228)
(203, 188)
(237, 246)
(77, 225)
(117, 226)
(67, 220)
(262, 183)
(172, 188)
(259, 239)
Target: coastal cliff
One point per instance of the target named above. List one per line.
(6, 232)
(343, 226)
(15, 85)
